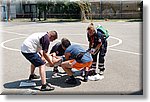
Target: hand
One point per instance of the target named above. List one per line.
(49, 65)
(43, 58)
(53, 54)
(92, 51)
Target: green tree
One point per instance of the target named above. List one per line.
(85, 10)
(51, 8)
(73, 10)
(43, 8)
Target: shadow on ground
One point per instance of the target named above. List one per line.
(140, 92)
(135, 20)
(57, 21)
(58, 81)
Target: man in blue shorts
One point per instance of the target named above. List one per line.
(35, 49)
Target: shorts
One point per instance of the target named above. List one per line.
(79, 66)
(34, 58)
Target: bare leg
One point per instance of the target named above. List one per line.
(68, 71)
(45, 86)
(56, 59)
(42, 74)
(32, 69)
(67, 68)
(32, 75)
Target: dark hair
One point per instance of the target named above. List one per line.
(65, 42)
(54, 34)
(92, 24)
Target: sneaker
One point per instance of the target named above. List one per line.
(56, 75)
(91, 78)
(33, 76)
(71, 81)
(101, 71)
(47, 87)
(95, 77)
(98, 77)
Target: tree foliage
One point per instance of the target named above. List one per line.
(69, 10)
(85, 10)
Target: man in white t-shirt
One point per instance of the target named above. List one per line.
(35, 49)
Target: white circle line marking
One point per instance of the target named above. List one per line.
(13, 33)
(8, 48)
(124, 51)
(119, 42)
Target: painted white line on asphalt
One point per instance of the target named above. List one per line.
(129, 52)
(119, 42)
(8, 48)
(29, 34)
(109, 47)
(13, 33)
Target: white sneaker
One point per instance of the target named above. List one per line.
(91, 78)
(99, 77)
(101, 72)
(56, 75)
(95, 77)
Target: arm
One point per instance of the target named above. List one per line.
(53, 54)
(67, 55)
(89, 45)
(100, 37)
(48, 58)
(44, 41)
(42, 57)
(97, 48)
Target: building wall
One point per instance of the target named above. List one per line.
(100, 8)
(4, 10)
(115, 9)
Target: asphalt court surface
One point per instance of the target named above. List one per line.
(123, 73)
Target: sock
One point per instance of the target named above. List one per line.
(86, 73)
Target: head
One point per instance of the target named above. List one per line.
(52, 35)
(65, 43)
(91, 29)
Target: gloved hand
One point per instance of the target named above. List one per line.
(92, 51)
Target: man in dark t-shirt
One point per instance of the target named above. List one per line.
(31, 47)
(59, 51)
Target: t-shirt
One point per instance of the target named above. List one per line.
(57, 48)
(97, 38)
(74, 50)
(36, 42)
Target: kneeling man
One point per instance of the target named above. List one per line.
(76, 57)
